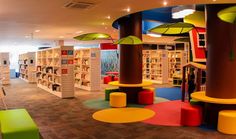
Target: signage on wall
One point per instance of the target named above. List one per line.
(93, 55)
(63, 52)
(70, 52)
(64, 61)
(64, 71)
(70, 61)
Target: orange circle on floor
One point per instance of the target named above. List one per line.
(123, 115)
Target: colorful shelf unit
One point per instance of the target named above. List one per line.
(87, 69)
(4, 68)
(155, 66)
(55, 71)
(176, 60)
(27, 65)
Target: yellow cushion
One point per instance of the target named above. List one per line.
(118, 99)
(227, 121)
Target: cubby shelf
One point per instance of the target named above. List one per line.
(27, 67)
(4, 68)
(155, 67)
(176, 60)
(87, 69)
(55, 70)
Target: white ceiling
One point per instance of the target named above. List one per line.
(19, 18)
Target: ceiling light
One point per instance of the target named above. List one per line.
(108, 17)
(37, 30)
(165, 3)
(103, 23)
(127, 9)
(182, 11)
(27, 36)
(105, 27)
(154, 35)
(213, 0)
(78, 32)
(61, 37)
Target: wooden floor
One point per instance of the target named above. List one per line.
(69, 119)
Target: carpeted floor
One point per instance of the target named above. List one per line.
(70, 119)
(172, 93)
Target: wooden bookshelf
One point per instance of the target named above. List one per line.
(87, 69)
(4, 68)
(27, 67)
(55, 70)
(155, 66)
(176, 60)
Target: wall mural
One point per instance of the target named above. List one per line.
(109, 61)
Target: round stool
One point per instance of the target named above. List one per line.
(116, 78)
(108, 91)
(107, 79)
(191, 115)
(118, 99)
(145, 97)
(227, 121)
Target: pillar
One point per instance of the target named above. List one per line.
(131, 55)
(221, 75)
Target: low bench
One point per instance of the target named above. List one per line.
(17, 124)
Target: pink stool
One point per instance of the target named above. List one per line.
(191, 115)
(107, 79)
(145, 97)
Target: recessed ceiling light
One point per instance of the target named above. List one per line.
(213, 0)
(103, 23)
(37, 30)
(165, 3)
(108, 17)
(78, 32)
(128, 10)
(154, 35)
(105, 27)
(27, 36)
(61, 37)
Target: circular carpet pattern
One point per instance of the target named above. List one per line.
(102, 104)
(123, 115)
(168, 113)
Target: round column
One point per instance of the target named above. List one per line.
(131, 55)
(221, 75)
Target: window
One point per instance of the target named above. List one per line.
(202, 40)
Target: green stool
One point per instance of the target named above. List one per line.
(108, 91)
(196, 102)
(17, 124)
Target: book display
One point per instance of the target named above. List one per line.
(87, 69)
(55, 70)
(4, 68)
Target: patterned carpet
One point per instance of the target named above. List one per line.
(70, 119)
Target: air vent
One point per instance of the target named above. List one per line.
(74, 4)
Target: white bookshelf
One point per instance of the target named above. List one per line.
(87, 69)
(4, 68)
(27, 65)
(55, 71)
(155, 66)
(176, 60)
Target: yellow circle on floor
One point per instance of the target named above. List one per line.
(123, 115)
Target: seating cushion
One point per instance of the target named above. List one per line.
(17, 124)
(191, 115)
(227, 122)
(118, 99)
(107, 79)
(108, 91)
(145, 97)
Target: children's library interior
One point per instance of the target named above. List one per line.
(118, 69)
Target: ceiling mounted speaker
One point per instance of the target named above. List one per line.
(75, 4)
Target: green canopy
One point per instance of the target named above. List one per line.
(130, 40)
(228, 14)
(93, 36)
(182, 40)
(173, 28)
